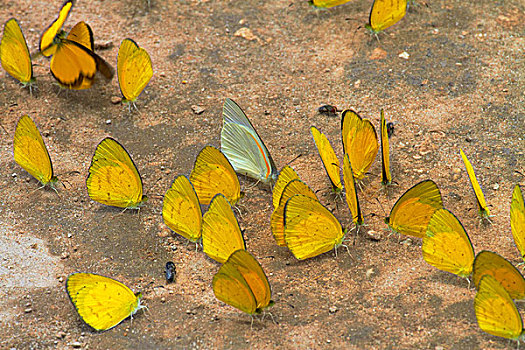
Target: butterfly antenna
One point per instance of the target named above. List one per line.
(3, 129)
(294, 159)
(380, 206)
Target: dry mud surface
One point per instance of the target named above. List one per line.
(462, 86)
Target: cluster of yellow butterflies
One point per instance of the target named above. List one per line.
(74, 63)
(384, 13)
(299, 220)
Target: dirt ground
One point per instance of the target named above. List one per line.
(461, 86)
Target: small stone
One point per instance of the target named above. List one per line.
(456, 171)
(76, 344)
(332, 309)
(104, 46)
(162, 300)
(407, 241)
(13, 175)
(116, 100)
(495, 186)
(357, 84)
(60, 335)
(28, 310)
(369, 272)
(246, 33)
(416, 156)
(108, 121)
(197, 109)
(61, 279)
(374, 235)
(64, 255)
(404, 55)
(378, 54)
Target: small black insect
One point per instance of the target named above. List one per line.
(170, 271)
(328, 110)
(390, 129)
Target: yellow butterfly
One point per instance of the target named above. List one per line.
(134, 70)
(286, 175)
(359, 142)
(101, 302)
(351, 193)
(386, 13)
(113, 177)
(277, 219)
(386, 177)
(489, 263)
(31, 152)
(14, 54)
(496, 312)
(243, 147)
(241, 283)
(327, 3)
(482, 205)
(447, 246)
(413, 210)
(181, 209)
(214, 174)
(74, 64)
(329, 159)
(221, 235)
(517, 220)
(309, 228)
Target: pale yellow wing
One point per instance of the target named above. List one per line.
(14, 54)
(100, 301)
(413, 210)
(309, 228)
(327, 3)
(359, 142)
(490, 263)
(480, 198)
(134, 69)
(113, 177)
(351, 192)
(221, 235)
(286, 175)
(447, 245)
(212, 174)
(277, 219)
(495, 311)
(517, 220)
(329, 159)
(31, 153)
(181, 209)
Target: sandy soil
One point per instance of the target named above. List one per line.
(462, 85)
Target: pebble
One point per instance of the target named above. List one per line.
(369, 272)
(495, 186)
(162, 300)
(60, 335)
(28, 310)
(108, 121)
(197, 109)
(116, 100)
(76, 344)
(374, 235)
(332, 309)
(404, 55)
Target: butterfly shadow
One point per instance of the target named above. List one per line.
(448, 279)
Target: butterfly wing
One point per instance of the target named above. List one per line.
(517, 220)
(31, 153)
(134, 69)
(359, 142)
(82, 34)
(329, 159)
(230, 287)
(47, 40)
(113, 177)
(181, 209)
(386, 13)
(14, 54)
(309, 228)
(351, 192)
(221, 235)
(212, 174)
(489, 263)
(413, 210)
(482, 205)
(101, 302)
(386, 177)
(447, 245)
(254, 275)
(277, 219)
(286, 175)
(495, 311)
(327, 3)
(243, 147)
